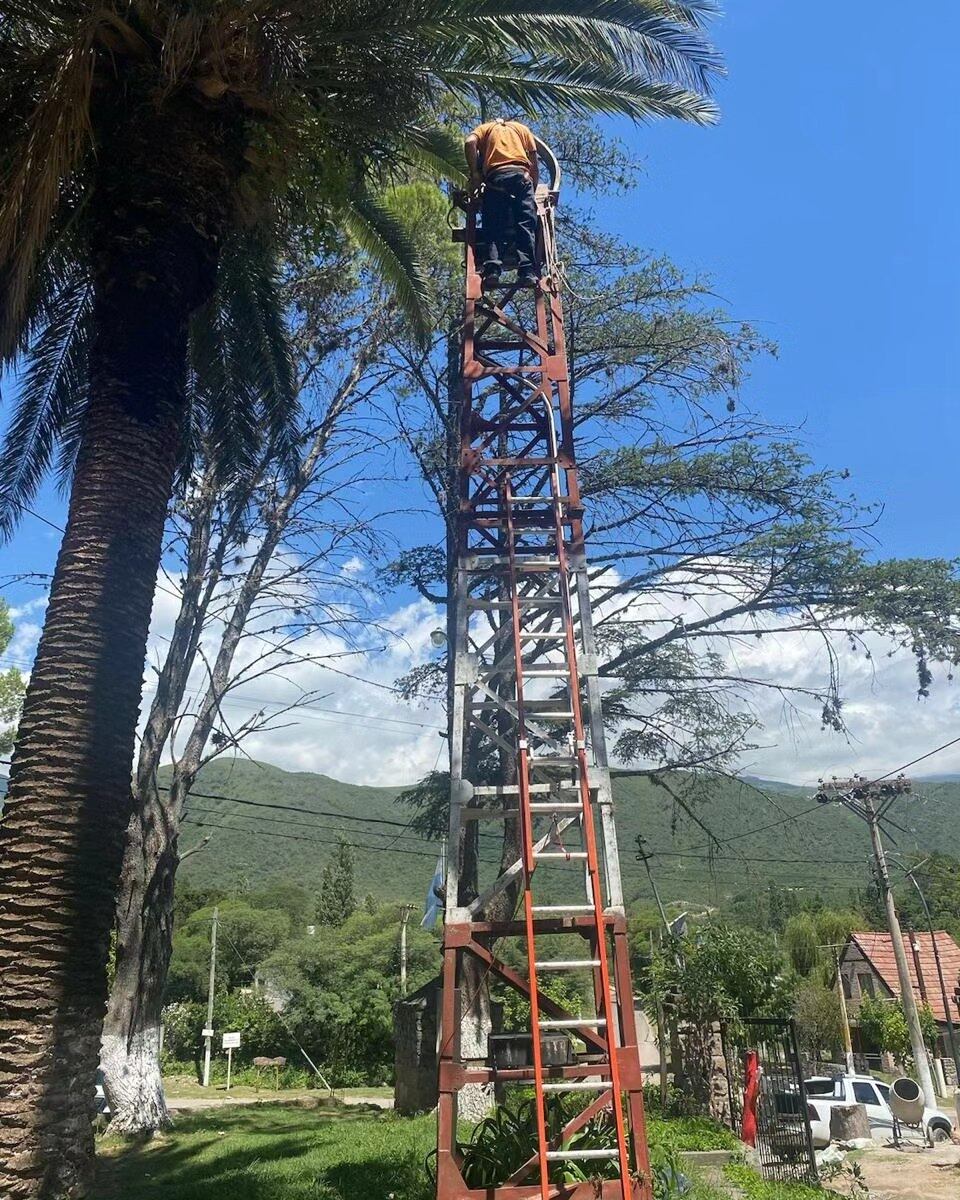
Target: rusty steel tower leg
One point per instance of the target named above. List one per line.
(527, 746)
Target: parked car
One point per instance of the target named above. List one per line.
(826, 1091)
(788, 1136)
(103, 1108)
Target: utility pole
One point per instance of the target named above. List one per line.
(644, 857)
(857, 795)
(844, 1015)
(951, 1031)
(405, 911)
(208, 1030)
(661, 1041)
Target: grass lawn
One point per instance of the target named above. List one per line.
(331, 1152)
(185, 1087)
(274, 1153)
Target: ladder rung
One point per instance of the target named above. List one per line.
(533, 672)
(565, 854)
(580, 1155)
(579, 1085)
(547, 500)
(535, 789)
(555, 808)
(574, 1023)
(541, 637)
(567, 964)
(544, 909)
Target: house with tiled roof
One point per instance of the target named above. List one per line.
(868, 968)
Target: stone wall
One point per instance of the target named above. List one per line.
(415, 1022)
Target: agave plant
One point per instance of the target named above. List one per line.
(142, 142)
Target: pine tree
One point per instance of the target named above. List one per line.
(337, 898)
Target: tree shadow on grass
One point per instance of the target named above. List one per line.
(228, 1155)
(403, 1178)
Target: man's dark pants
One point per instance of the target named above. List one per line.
(509, 191)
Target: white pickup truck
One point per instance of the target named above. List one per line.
(826, 1091)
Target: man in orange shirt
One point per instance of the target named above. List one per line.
(502, 155)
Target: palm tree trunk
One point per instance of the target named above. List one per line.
(61, 838)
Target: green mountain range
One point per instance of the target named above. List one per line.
(769, 833)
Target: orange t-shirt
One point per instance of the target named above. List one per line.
(504, 144)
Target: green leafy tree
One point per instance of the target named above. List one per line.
(801, 942)
(720, 974)
(342, 985)
(883, 1025)
(816, 1010)
(11, 686)
(139, 146)
(337, 900)
(246, 936)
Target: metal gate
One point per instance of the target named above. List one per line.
(783, 1138)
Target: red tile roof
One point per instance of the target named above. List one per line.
(878, 948)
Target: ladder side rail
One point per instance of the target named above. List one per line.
(614, 881)
(523, 780)
(590, 840)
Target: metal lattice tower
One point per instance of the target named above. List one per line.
(528, 755)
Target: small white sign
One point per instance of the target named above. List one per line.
(207, 1033)
(231, 1041)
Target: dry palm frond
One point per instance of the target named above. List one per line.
(57, 138)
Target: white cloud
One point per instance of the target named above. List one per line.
(371, 736)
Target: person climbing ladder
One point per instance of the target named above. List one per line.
(502, 157)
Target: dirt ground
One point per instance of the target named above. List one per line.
(912, 1173)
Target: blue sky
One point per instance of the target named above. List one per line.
(825, 208)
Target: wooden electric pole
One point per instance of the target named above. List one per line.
(844, 1015)
(644, 857)
(861, 797)
(208, 1028)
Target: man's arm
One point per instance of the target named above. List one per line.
(532, 158)
(471, 150)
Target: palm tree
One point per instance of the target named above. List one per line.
(139, 144)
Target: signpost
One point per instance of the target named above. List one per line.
(231, 1042)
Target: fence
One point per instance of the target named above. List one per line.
(783, 1138)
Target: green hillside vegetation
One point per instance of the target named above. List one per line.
(825, 851)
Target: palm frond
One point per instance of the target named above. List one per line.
(54, 143)
(664, 41)
(436, 151)
(242, 390)
(393, 254)
(620, 31)
(589, 88)
(52, 396)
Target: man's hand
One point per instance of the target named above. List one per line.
(476, 181)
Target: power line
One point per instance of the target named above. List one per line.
(753, 859)
(292, 837)
(762, 828)
(320, 812)
(311, 825)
